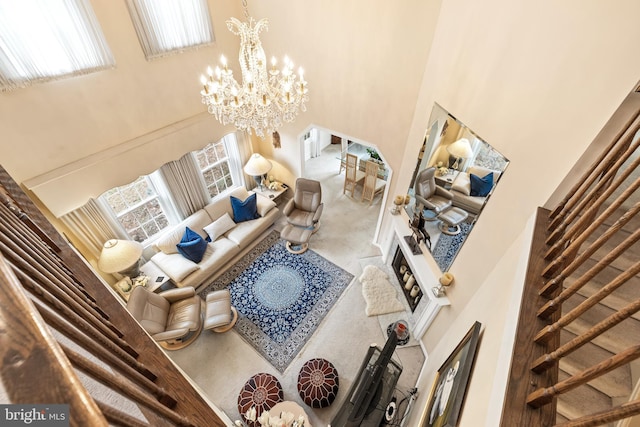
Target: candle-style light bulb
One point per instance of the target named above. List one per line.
(301, 73)
(203, 80)
(209, 71)
(224, 62)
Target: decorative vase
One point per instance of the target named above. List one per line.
(403, 269)
(406, 276)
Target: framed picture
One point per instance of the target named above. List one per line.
(449, 388)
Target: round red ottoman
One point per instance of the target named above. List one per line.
(318, 383)
(262, 391)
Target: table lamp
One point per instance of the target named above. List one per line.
(461, 149)
(257, 167)
(121, 256)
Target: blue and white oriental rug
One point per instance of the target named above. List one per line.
(281, 298)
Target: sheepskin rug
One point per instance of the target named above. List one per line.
(378, 292)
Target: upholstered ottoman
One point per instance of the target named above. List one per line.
(262, 392)
(451, 218)
(297, 238)
(220, 315)
(318, 383)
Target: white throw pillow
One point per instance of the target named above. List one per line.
(264, 205)
(168, 241)
(220, 226)
(462, 183)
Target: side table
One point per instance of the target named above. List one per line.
(157, 277)
(272, 194)
(445, 181)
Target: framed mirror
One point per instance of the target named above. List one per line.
(456, 173)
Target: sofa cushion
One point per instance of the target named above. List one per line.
(197, 221)
(246, 233)
(175, 265)
(220, 226)
(244, 210)
(192, 246)
(481, 186)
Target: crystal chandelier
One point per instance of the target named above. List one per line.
(266, 98)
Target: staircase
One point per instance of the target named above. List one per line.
(617, 386)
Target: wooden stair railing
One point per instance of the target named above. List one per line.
(60, 325)
(596, 225)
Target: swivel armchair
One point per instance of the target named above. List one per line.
(173, 318)
(305, 208)
(431, 196)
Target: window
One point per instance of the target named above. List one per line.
(42, 39)
(165, 26)
(215, 166)
(150, 204)
(486, 156)
(138, 208)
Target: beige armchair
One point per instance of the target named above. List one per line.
(429, 195)
(173, 317)
(305, 209)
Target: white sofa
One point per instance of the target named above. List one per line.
(461, 189)
(221, 250)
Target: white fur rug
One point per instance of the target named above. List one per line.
(378, 292)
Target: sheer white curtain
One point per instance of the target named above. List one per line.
(164, 26)
(244, 152)
(42, 39)
(184, 182)
(90, 225)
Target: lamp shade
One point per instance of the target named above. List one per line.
(120, 256)
(460, 149)
(257, 165)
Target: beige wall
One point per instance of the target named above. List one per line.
(537, 81)
(90, 133)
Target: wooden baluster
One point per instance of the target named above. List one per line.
(24, 235)
(132, 375)
(605, 188)
(7, 200)
(626, 410)
(94, 328)
(544, 396)
(552, 285)
(33, 368)
(44, 282)
(547, 360)
(119, 418)
(573, 247)
(595, 171)
(545, 334)
(55, 277)
(99, 345)
(123, 386)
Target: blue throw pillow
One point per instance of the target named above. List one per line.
(192, 246)
(244, 210)
(481, 186)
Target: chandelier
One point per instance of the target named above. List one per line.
(266, 98)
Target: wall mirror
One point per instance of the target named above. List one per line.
(455, 175)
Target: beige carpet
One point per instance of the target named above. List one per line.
(221, 363)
